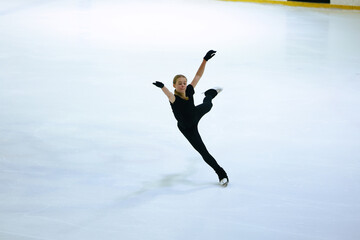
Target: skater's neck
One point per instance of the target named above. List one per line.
(182, 95)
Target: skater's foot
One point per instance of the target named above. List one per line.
(223, 178)
(224, 182)
(213, 92)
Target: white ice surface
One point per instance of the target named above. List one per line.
(89, 148)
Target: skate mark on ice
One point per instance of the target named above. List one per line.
(169, 184)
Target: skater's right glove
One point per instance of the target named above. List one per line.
(209, 55)
(159, 84)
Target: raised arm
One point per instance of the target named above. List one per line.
(166, 91)
(201, 69)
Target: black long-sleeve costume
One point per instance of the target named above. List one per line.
(188, 117)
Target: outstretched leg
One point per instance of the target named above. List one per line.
(193, 136)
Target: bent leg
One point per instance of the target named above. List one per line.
(203, 108)
(206, 106)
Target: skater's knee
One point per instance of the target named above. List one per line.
(207, 102)
(207, 99)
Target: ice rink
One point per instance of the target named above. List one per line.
(89, 148)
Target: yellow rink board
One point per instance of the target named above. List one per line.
(300, 4)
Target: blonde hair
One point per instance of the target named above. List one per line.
(177, 77)
(174, 82)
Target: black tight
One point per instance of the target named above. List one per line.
(193, 136)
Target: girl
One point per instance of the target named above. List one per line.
(188, 116)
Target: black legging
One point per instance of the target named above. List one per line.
(193, 136)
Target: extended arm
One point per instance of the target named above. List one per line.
(201, 69)
(199, 74)
(166, 91)
(169, 94)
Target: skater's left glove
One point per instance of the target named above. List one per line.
(159, 84)
(209, 55)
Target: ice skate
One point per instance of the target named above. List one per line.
(217, 89)
(213, 91)
(223, 178)
(224, 182)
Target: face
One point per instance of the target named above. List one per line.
(180, 85)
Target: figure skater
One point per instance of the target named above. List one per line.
(188, 116)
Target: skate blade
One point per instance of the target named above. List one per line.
(217, 89)
(224, 182)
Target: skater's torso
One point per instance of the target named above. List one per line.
(184, 110)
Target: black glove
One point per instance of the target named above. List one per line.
(209, 55)
(159, 84)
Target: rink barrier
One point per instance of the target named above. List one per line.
(355, 4)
